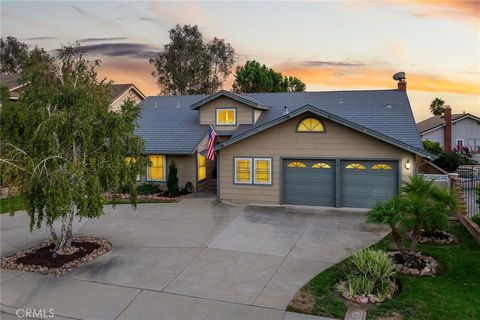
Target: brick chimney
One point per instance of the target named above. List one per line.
(402, 85)
(447, 131)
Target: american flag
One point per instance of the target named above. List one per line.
(211, 143)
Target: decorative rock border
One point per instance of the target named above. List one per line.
(11, 263)
(430, 269)
(156, 197)
(448, 238)
(341, 288)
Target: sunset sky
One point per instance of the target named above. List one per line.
(330, 45)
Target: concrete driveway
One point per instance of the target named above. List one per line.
(197, 259)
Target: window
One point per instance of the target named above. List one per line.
(156, 169)
(310, 125)
(263, 170)
(202, 167)
(226, 116)
(381, 166)
(459, 143)
(296, 164)
(356, 166)
(321, 165)
(243, 170)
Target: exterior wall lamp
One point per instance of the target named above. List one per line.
(408, 165)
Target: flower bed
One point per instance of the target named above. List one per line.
(42, 258)
(437, 237)
(158, 197)
(414, 264)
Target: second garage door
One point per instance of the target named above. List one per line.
(364, 183)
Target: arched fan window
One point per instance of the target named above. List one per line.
(356, 166)
(321, 165)
(381, 166)
(310, 125)
(296, 164)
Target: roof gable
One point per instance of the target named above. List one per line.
(437, 122)
(249, 101)
(332, 117)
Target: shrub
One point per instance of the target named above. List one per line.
(371, 272)
(476, 219)
(449, 161)
(172, 182)
(148, 188)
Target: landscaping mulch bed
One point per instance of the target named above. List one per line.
(414, 264)
(159, 197)
(43, 259)
(437, 237)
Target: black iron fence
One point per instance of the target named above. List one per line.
(470, 180)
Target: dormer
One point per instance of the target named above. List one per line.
(226, 110)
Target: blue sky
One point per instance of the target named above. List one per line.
(329, 44)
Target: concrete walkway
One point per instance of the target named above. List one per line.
(197, 259)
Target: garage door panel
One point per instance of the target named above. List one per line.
(367, 182)
(309, 185)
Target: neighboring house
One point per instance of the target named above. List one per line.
(335, 149)
(11, 82)
(453, 130)
(120, 92)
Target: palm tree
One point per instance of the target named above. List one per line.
(425, 206)
(436, 107)
(391, 213)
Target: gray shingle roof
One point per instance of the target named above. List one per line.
(437, 121)
(171, 129)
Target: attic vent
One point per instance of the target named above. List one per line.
(156, 105)
(388, 106)
(285, 110)
(340, 101)
(178, 105)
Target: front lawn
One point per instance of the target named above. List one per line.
(454, 294)
(17, 203)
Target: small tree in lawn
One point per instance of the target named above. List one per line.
(391, 213)
(426, 207)
(172, 181)
(72, 147)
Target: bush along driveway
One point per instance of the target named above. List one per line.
(452, 294)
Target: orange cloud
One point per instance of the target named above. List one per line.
(368, 77)
(460, 8)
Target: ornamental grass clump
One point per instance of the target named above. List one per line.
(370, 277)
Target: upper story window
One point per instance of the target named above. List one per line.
(226, 117)
(310, 125)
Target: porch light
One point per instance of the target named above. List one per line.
(408, 164)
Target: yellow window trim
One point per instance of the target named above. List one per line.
(381, 166)
(357, 166)
(296, 164)
(222, 117)
(321, 165)
(310, 125)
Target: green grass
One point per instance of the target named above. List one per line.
(16, 202)
(454, 294)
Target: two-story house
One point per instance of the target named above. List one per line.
(337, 149)
(453, 130)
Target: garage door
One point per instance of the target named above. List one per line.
(309, 182)
(364, 183)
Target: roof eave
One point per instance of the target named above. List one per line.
(230, 95)
(309, 108)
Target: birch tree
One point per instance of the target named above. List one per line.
(72, 147)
